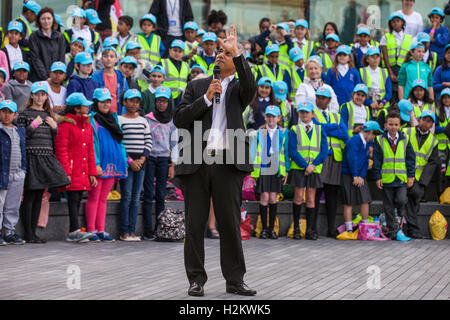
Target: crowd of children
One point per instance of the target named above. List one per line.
(99, 111)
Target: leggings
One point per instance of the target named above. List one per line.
(73, 202)
(31, 207)
(96, 205)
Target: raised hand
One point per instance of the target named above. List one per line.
(230, 45)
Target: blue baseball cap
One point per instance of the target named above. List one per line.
(419, 83)
(446, 91)
(265, 81)
(78, 12)
(92, 16)
(361, 88)
(59, 20)
(14, 25)
(363, 30)
(209, 36)
(110, 41)
(132, 93)
(132, 45)
(159, 68)
(58, 66)
(423, 37)
(8, 104)
(163, 92)
(396, 15)
(316, 58)
(428, 113)
(302, 23)
(296, 54)
(78, 99)
(332, 36)
(405, 107)
(343, 49)
(272, 48)
(5, 74)
(200, 32)
(372, 51)
(39, 86)
(21, 65)
(84, 58)
(102, 94)
(178, 44)
(372, 126)
(197, 66)
(33, 6)
(247, 55)
(129, 60)
(283, 26)
(416, 44)
(437, 11)
(110, 48)
(190, 25)
(273, 110)
(149, 17)
(305, 106)
(80, 40)
(324, 92)
(280, 89)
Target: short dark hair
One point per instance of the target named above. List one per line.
(46, 10)
(127, 20)
(394, 114)
(263, 20)
(217, 16)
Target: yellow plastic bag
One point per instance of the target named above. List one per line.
(348, 235)
(445, 196)
(438, 226)
(280, 197)
(114, 195)
(302, 222)
(258, 228)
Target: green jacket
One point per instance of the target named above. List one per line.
(411, 71)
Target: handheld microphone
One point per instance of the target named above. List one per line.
(216, 72)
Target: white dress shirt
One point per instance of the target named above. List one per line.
(217, 139)
(361, 115)
(271, 132)
(311, 125)
(375, 76)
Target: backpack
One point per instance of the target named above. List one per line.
(171, 225)
(371, 231)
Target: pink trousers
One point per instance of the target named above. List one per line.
(96, 205)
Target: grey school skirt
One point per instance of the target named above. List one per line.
(268, 183)
(297, 178)
(331, 171)
(352, 195)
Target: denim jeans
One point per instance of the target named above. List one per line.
(156, 168)
(130, 190)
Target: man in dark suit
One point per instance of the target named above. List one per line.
(227, 149)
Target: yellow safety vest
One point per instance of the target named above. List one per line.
(2, 37)
(351, 116)
(296, 81)
(285, 113)
(200, 61)
(422, 154)
(189, 49)
(443, 141)
(371, 43)
(336, 144)
(326, 62)
(394, 165)
(308, 149)
(418, 111)
(367, 79)
(265, 71)
(433, 61)
(176, 81)
(391, 46)
(122, 51)
(283, 55)
(307, 48)
(150, 53)
(261, 141)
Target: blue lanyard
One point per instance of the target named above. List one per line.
(174, 7)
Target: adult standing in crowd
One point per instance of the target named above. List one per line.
(414, 21)
(171, 15)
(103, 8)
(46, 45)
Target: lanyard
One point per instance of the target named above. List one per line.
(172, 7)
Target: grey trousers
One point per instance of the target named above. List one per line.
(394, 197)
(412, 208)
(10, 202)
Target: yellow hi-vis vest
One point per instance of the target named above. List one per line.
(286, 111)
(427, 106)
(394, 165)
(307, 48)
(326, 62)
(391, 46)
(367, 79)
(422, 154)
(433, 61)
(296, 81)
(150, 53)
(265, 71)
(200, 61)
(176, 81)
(308, 149)
(189, 49)
(283, 55)
(281, 161)
(336, 144)
(351, 116)
(443, 141)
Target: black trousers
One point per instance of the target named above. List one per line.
(222, 182)
(30, 210)
(74, 202)
(394, 198)
(415, 194)
(331, 203)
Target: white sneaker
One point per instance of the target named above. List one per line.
(134, 238)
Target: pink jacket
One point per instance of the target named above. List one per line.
(4, 65)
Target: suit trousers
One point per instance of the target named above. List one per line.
(222, 182)
(415, 194)
(394, 198)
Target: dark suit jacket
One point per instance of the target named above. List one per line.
(159, 10)
(194, 108)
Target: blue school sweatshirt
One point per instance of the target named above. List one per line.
(441, 75)
(441, 39)
(83, 85)
(355, 158)
(343, 86)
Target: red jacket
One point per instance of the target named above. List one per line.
(74, 148)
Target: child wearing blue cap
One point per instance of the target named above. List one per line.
(160, 165)
(297, 69)
(12, 168)
(142, 70)
(57, 92)
(82, 81)
(124, 34)
(254, 114)
(280, 90)
(29, 15)
(190, 34)
(420, 98)
(282, 40)
(302, 38)
(328, 54)
(128, 66)
(441, 77)
(206, 55)
(354, 113)
(152, 47)
(361, 45)
(80, 30)
(269, 150)
(18, 88)
(343, 76)
(439, 35)
(44, 171)
(196, 69)
(406, 110)
(308, 150)
(429, 57)
(157, 77)
(442, 120)
(355, 162)
(13, 51)
(76, 46)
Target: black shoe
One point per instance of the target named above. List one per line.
(212, 233)
(14, 239)
(263, 234)
(39, 240)
(196, 290)
(332, 234)
(148, 235)
(297, 235)
(240, 289)
(273, 235)
(311, 235)
(415, 235)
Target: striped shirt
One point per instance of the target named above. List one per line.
(137, 138)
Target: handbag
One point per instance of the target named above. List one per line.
(370, 231)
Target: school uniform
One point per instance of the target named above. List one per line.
(354, 115)
(276, 72)
(443, 148)
(378, 81)
(252, 121)
(381, 118)
(343, 82)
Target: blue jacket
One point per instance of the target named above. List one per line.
(298, 159)
(378, 159)
(440, 76)
(5, 154)
(358, 56)
(343, 86)
(122, 86)
(338, 131)
(83, 85)
(355, 158)
(441, 39)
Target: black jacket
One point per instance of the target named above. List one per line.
(194, 108)
(159, 10)
(24, 58)
(43, 52)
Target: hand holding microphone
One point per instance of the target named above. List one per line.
(215, 88)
